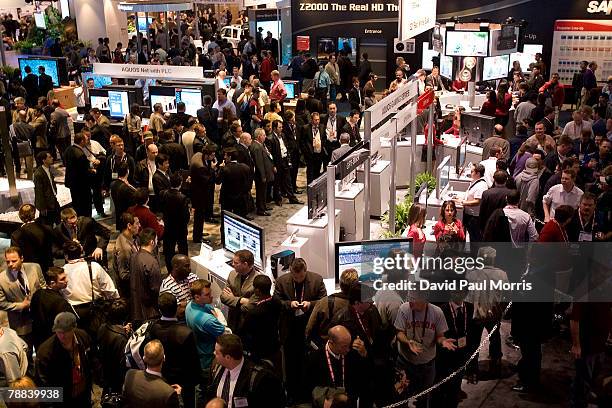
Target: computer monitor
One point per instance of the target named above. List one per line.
(360, 255)
(119, 103)
(428, 56)
(164, 95)
(99, 80)
(136, 92)
(446, 66)
(191, 97)
(442, 176)
(317, 196)
(98, 98)
(239, 233)
(293, 89)
(348, 45)
(495, 67)
(476, 127)
(527, 56)
(56, 68)
(39, 20)
(467, 43)
(460, 156)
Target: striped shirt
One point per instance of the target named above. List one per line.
(179, 289)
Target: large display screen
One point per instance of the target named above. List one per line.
(271, 26)
(527, 56)
(51, 68)
(428, 56)
(495, 67)
(143, 25)
(238, 233)
(361, 255)
(100, 102)
(325, 47)
(119, 104)
(467, 43)
(292, 90)
(39, 20)
(167, 102)
(192, 99)
(99, 80)
(446, 66)
(348, 45)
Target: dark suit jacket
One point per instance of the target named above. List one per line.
(112, 339)
(354, 99)
(160, 182)
(101, 134)
(207, 116)
(176, 212)
(314, 105)
(262, 162)
(353, 132)
(177, 155)
(236, 184)
(45, 84)
(77, 169)
(273, 145)
(142, 389)
(244, 156)
(36, 242)
(284, 289)
(202, 179)
(44, 306)
(141, 177)
(340, 122)
(44, 194)
(123, 198)
(30, 83)
(291, 137)
(182, 365)
(491, 200)
(306, 141)
(111, 166)
(90, 233)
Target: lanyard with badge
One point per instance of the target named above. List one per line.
(422, 327)
(114, 174)
(331, 369)
(461, 341)
(366, 332)
(584, 235)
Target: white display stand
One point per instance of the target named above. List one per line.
(380, 178)
(350, 203)
(434, 204)
(473, 154)
(316, 232)
(299, 246)
(456, 99)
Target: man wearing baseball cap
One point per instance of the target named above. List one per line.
(63, 361)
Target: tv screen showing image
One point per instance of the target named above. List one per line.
(348, 45)
(495, 67)
(119, 103)
(292, 88)
(100, 102)
(325, 47)
(527, 56)
(361, 256)
(446, 66)
(271, 26)
(192, 99)
(467, 69)
(168, 102)
(143, 25)
(239, 233)
(39, 20)
(428, 56)
(467, 43)
(99, 80)
(51, 68)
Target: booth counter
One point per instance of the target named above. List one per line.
(351, 204)
(380, 179)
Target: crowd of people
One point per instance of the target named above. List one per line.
(112, 317)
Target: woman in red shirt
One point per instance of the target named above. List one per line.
(489, 106)
(555, 229)
(448, 224)
(416, 221)
(504, 101)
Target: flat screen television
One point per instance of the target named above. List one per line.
(239, 233)
(119, 103)
(504, 41)
(191, 97)
(56, 68)
(348, 45)
(98, 98)
(143, 24)
(442, 176)
(428, 56)
(293, 89)
(99, 80)
(527, 56)
(325, 47)
(39, 20)
(361, 255)
(135, 91)
(467, 43)
(495, 67)
(446, 66)
(476, 127)
(317, 196)
(460, 156)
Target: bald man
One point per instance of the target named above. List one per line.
(340, 364)
(216, 403)
(497, 139)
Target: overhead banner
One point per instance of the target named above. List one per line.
(416, 17)
(148, 71)
(392, 103)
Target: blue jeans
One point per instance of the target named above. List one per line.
(421, 377)
(332, 92)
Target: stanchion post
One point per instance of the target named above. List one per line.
(392, 191)
(413, 147)
(367, 137)
(8, 156)
(429, 137)
(331, 217)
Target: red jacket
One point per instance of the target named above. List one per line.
(503, 109)
(147, 219)
(558, 95)
(265, 72)
(552, 232)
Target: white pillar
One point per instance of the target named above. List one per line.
(116, 23)
(91, 23)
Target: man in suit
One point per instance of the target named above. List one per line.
(148, 388)
(35, 237)
(99, 133)
(45, 82)
(312, 144)
(161, 177)
(243, 154)
(59, 130)
(145, 278)
(280, 156)
(264, 173)
(45, 190)
(113, 162)
(175, 151)
(92, 235)
(333, 125)
(356, 96)
(30, 83)
(175, 207)
(207, 116)
(352, 127)
(344, 147)
(252, 387)
(493, 198)
(122, 193)
(236, 181)
(145, 169)
(18, 283)
(182, 365)
(291, 138)
(239, 286)
(298, 292)
(77, 175)
(202, 171)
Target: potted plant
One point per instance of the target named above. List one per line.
(401, 218)
(425, 177)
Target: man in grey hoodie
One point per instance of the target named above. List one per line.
(528, 185)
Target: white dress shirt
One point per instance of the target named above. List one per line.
(490, 166)
(475, 192)
(234, 373)
(557, 196)
(79, 285)
(522, 227)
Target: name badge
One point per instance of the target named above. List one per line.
(461, 342)
(114, 175)
(299, 312)
(581, 156)
(240, 402)
(585, 236)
